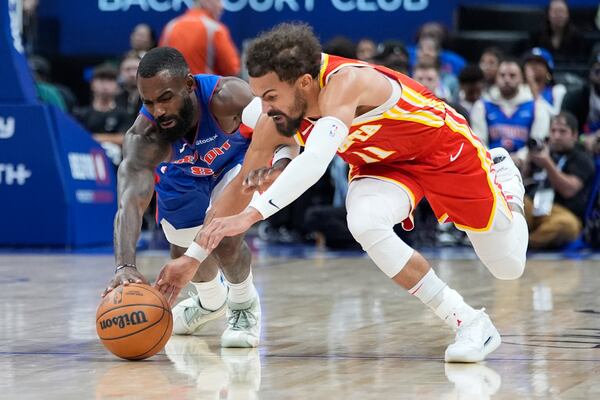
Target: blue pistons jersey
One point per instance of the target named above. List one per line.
(185, 183)
(511, 132)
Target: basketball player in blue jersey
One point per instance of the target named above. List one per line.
(187, 142)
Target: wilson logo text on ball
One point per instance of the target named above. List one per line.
(134, 318)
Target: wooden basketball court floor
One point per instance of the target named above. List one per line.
(333, 328)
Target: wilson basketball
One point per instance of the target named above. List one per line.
(134, 322)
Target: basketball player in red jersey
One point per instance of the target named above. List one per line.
(402, 144)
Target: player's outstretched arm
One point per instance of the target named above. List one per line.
(338, 103)
(135, 185)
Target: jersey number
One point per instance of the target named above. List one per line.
(362, 134)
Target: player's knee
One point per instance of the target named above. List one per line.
(367, 228)
(506, 268)
(503, 249)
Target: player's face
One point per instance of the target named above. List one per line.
(281, 101)
(169, 101)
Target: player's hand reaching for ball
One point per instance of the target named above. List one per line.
(125, 276)
(175, 275)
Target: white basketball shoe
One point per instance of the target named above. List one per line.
(189, 317)
(243, 321)
(508, 176)
(475, 339)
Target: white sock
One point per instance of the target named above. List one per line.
(428, 289)
(243, 291)
(447, 304)
(213, 293)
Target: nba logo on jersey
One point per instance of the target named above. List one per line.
(333, 130)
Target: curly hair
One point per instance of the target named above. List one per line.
(289, 49)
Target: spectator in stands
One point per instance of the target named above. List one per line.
(428, 52)
(428, 75)
(489, 63)
(142, 39)
(584, 103)
(559, 35)
(392, 54)
(539, 66)
(472, 84)
(47, 92)
(102, 117)
(129, 98)
(365, 49)
(510, 116)
(450, 62)
(562, 175)
(204, 41)
(340, 46)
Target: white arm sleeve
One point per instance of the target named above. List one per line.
(304, 170)
(285, 151)
(252, 112)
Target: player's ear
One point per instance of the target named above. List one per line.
(190, 83)
(305, 81)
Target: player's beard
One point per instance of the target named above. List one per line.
(290, 125)
(183, 122)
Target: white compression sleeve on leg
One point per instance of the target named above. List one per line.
(374, 207)
(306, 169)
(503, 248)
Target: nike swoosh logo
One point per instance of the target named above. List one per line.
(454, 157)
(182, 148)
(274, 205)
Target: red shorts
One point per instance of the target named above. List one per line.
(454, 177)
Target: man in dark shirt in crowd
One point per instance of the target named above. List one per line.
(562, 174)
(128, 99)
(102, 117)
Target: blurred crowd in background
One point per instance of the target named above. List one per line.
(537, 94)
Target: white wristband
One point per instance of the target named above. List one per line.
(197, 252)
(282, 152)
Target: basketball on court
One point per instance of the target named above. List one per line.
(134, 322)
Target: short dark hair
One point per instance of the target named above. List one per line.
(340, 46)
(511, 60)
(105, 71)
(289, 49)
(471, 73)
(569, 119)
(163, 59)
(495, 51)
